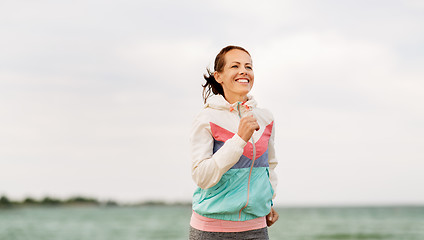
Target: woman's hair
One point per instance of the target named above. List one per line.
(211, 83)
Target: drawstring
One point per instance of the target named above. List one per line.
(246, 106)
(238, 107)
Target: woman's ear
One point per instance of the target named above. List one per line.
(217, 77)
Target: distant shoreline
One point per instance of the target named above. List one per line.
(76, 201)
(82, 201)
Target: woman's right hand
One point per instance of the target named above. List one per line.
(247, 126)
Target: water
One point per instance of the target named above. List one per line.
(171, 222)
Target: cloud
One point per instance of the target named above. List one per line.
(344, 110)
(107, 91)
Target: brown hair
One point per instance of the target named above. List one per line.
(211, 83)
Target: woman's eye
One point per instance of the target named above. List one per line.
(248, 67)
(234, 66)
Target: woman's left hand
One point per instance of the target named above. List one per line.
(272, 217)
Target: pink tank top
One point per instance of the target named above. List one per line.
(216, 225)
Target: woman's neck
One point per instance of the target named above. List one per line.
(237, 98)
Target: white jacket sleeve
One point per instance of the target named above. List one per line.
(207, 168)
(272, 161)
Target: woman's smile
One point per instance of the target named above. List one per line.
(242, 80)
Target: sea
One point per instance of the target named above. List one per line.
(172, 222)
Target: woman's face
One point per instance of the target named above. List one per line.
(237, 76)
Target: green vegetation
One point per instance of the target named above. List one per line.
(5, 202)
(82, 200)
(49, 201)
(29, 200)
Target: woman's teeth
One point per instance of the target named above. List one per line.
(243, 80)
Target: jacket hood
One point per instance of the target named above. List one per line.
(219, 102)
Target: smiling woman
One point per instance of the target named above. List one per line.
(233, 157)
(237, 76)
(215, 79)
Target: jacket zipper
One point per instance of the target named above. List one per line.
(251, 166)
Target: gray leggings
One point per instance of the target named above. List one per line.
(258, 234)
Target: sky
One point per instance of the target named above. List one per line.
(97, 97)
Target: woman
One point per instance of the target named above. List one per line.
(232, 147)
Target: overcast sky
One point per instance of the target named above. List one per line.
(97, 97)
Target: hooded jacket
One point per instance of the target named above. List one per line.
(236, 180)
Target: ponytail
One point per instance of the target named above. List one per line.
(211, 85)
